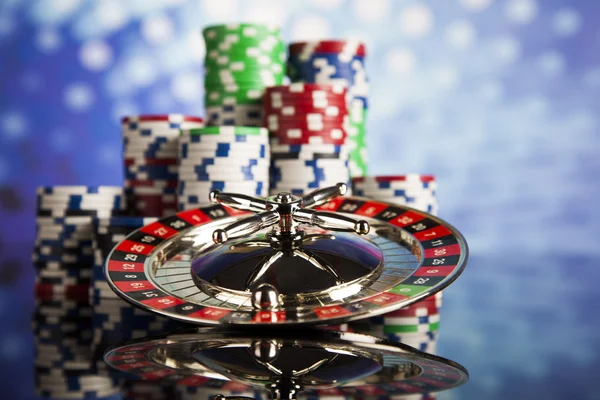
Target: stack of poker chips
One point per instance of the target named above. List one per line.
(412, 190)
(241, 60)
(226, 158)
(337, 62)
(115, 320)
(62, 326)
(416, 325)
(150, 146)
(63, 253)
(308, 124)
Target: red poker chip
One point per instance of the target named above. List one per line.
(305, 98)
(338, 327)
(392, 178)
(302, 121)
(307, 137)
(303, 109)
(47, 291)
(322, 103)
(157, 118)
(155, 198)
(309, 128)
(297, 89)
(328, 46)
(428, 308)
(150, 161)
(152, 183)
(319, 105)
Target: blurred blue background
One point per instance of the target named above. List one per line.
(498, 98)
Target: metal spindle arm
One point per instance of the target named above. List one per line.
(322, 196)
(331, 221)
(238, 201)
(246, 226)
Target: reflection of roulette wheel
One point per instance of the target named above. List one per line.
(349, 258)
(289, 364)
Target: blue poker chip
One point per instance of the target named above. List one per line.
(237, 122)
(390, 184)
(61, 243)
(133, 222)
(308, 70)
(202, 163)
(69, 190)
(223, 150)
(78, 202)
(318, 174)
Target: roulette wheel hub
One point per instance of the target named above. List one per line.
(286, 260)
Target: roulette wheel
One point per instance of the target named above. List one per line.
(286, 260)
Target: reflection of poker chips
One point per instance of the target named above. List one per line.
(241, 60)
(116, 320)
(63, 337)
(414, 190)
(340, 63)
(226, 158)
(150, 147)
(148, 390)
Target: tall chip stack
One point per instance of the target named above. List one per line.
(337, 62)
(241, 60)
(150, 149)
(226, 158)
(308, 124)
(416, 325)
(63, 253)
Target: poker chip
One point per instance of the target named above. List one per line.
(341, 63)
(226, 158)
(150, 152)
(304, 50)
(241, 60)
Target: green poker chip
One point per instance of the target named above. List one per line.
(261, 77)
(250, 57)
(217, 95)
(246, 31)
(420, 328)
(228, 130)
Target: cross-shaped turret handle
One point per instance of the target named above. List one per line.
(285, 210)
